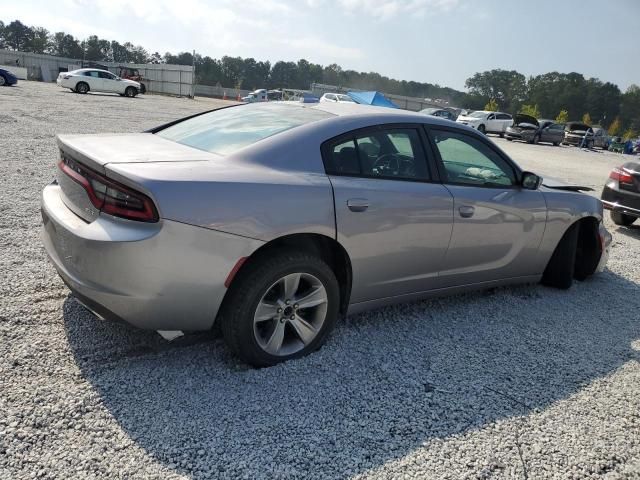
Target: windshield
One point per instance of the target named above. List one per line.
(230, 129)
(478, 114)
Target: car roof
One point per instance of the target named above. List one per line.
(90, 70)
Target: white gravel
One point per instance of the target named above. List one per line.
(524, 382)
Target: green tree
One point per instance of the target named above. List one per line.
(629, 134)
(491, 106)
(38, 40)
(507, 87)
(531, 110)
(65, 45)
(615, 127)
(2, 35)
(563, 117)
(630, 107)
(17, 35)
(586, 119)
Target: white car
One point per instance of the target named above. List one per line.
(336, 98)
(487, 122)
(87, 80)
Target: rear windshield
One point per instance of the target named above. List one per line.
(230, 129)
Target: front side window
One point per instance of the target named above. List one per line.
(227, 130)
(395, 153)
(469, 161)
(106, 75)
(91, 74)
(503, 116)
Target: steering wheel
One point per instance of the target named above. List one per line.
(394, 164)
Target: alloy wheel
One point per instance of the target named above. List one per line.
(290, 314)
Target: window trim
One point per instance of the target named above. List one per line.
(327, 145)
(481, 138)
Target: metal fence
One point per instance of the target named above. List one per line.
(408, 103)
(219, 92)
(158, 78)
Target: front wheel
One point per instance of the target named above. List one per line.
(536, 139)
(622, 219)
(3, 81)
(481, 129)
(280, 307)
(131, 92)
(561, 266)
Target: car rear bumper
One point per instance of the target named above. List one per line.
(621, 201)
(161, 276)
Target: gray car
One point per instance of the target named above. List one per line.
(276, 219)
(532, 130)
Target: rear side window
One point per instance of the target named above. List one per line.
(91, 74)
(394, 154)
(230, 129)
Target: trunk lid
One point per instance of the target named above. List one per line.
(96, 151)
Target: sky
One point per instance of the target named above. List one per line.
(436, 41)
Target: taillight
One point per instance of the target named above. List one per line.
(621, 175)
(109, 196)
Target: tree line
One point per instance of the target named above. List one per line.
(565, 96)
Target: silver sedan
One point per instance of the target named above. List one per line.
(276, 219)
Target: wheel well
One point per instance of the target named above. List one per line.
(589, 248)
(322, 246)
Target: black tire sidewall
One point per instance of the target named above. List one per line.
(79, 87)
(238, 313)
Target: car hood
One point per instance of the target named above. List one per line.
(98, 150)
(521, 120)
(560, 185)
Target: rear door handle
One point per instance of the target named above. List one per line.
(466, 211)
(358, 204)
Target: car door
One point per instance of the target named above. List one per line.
(392, 216)
(109, 82)
(553, 133)
(503, 120)
(497, 224)
(94, 80)
(491, 123)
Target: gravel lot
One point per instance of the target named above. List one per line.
(524, 382)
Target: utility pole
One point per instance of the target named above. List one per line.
(193, 74)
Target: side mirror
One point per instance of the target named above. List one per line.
(530, 181)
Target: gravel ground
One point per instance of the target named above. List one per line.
(524, 382)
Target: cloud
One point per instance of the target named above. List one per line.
(386, 9)
(321, 48)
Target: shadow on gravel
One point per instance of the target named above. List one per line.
(386, 383)
(632, 231)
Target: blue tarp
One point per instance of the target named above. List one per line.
(372, 98)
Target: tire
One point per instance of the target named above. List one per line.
(561, 266)
(131, 92)
(481, 129)
(536, 139)
(502, 135)
(82, 87)
(262, 283)
(622, 219)
(509, 139)
(143, 88)
(3, 81)
(555, 144)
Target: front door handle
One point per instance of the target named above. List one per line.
(466, 211)
(358, 204)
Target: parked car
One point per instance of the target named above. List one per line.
(440, 112)
(532, 130)
(487, 122)
(577, 134)
(600, 137)
(621, 193)
(87, 80)
(275, 219)
(336, 98)
(260, 95)
(7, 78)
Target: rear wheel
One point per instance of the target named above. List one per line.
(3, 81)
(561, 266)
(622, 219)
(536, 139)
(82, 87)
(280, 307)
